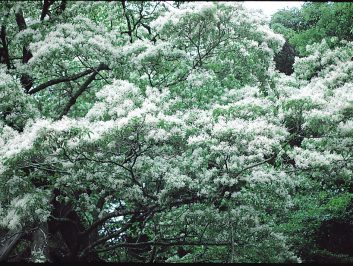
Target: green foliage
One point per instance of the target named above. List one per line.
(310, 213)
(314, 22)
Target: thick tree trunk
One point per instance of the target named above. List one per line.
(9, 243)
(25, 79)
(4, 51)
(40, 247)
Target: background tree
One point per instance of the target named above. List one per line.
(320, 115)
(311, 23)
(314, 22)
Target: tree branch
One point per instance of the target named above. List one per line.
(26, 80)
(45, 9)
(61, 7)
(164, 244)
(83, 88)
(4, 53)
(9, 245)
(101, 221)
(104, 239)
(60, 80)
(129, 32)
(21, 23)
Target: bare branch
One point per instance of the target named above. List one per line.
(9, 245)
(45, 9)
(104, 239)
(83, 88)
(129, 32)
(60, 80)
(101, 221)
(26, 80)
(164, 244)
(4, 52)
(61, 7)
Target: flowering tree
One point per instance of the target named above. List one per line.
(158, 131)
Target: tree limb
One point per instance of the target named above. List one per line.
(4, 54)
(129, 32)
(9, 245)
(60, 80)
(83, 88)
(164, 244)
(101, 221)
(26, 80)
(45, 9)
(61, 7)
(104, 239)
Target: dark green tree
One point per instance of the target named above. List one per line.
(314, 22)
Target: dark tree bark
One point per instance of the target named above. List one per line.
(129, 28)
(61, 7)
(45, 9)
(82, 89)
(26, 80)
(40, 241)
(8, 243)
(4, 50)
(67, 230)
(60, 80)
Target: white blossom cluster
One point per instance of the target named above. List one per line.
(192, 115)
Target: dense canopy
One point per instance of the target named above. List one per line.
(163, 132)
